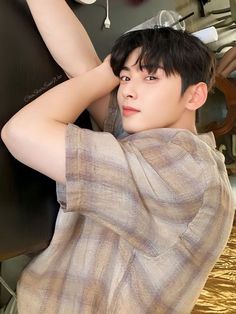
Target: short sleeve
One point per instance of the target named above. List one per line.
(99, 185)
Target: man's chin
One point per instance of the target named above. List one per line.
(130, 130)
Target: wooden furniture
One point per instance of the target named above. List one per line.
(228, 87)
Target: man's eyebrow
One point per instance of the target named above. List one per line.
(125, 68)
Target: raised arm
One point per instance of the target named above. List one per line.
(36, 134)
(69, 44)
(64, 36)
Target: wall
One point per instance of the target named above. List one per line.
(123, 16)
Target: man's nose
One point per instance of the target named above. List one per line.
(130, 90)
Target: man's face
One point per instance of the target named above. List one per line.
(149, 101)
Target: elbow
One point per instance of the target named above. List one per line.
(13, 135)
(10, 134)
(4, 134)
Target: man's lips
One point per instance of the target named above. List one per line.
(127, 111)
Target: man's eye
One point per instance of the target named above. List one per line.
(151, 78)
(124, 78)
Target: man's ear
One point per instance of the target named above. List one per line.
(197, 96)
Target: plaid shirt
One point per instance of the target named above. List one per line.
(143, 219)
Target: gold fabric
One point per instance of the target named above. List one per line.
(219, 293)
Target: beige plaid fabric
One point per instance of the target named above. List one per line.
(143, 219)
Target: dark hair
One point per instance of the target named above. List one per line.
(178, 52)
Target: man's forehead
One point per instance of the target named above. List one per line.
(133, 57)
(136, 61)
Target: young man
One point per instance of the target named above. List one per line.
(146, 206)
